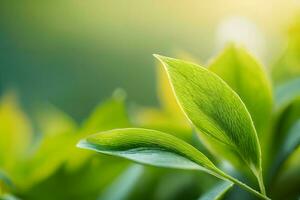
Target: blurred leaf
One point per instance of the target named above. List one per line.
(285, 93)
(15, 132)
(287, 118)
(287, 184)
(154, 148)
(288, 66)
(53, 148)
(246, 76)
(8, 197)
(52, 121)
(290, 144)
(157, 119)
(215, 109)
(50, 155)
(217, 192)
(84, 183)
(5, 183)
(108, 115)
(124, 184)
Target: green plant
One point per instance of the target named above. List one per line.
(230, 106)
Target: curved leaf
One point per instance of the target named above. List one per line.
(155, 148)
(246, 77)
(214, 108)
(147, 147)
(166, 95)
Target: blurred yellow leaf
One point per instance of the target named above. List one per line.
(15, 131)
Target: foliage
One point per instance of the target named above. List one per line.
(233, 120)
(230, 106)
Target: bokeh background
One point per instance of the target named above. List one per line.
(75, 53)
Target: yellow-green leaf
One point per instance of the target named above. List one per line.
(248, 79)
(15, 132)
(215, 109)
(155, 148)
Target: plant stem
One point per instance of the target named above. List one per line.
(243, 185)
(261, 183)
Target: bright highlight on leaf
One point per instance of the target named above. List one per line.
(148, 147)
(214, 108)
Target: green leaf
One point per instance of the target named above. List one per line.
(51, 151)
(152, 118)
(167, 97)
(287, 118)
(286, 92)
(52, 121)
(218, 191)
(287, 132)
(291, 143)
(215, 109)
(15, 132)
(288, 66)
(246, 76)
(107, 115)
(154, 148)
(286, 185)
(124, 184)
(146, 147)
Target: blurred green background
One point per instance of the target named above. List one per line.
(75, 53)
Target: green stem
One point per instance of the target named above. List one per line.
(261, 183)
(243, 185)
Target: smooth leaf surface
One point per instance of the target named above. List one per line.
(214, 108)
(248, 79)
(148, 147)
(217, 192)
(155, 148)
